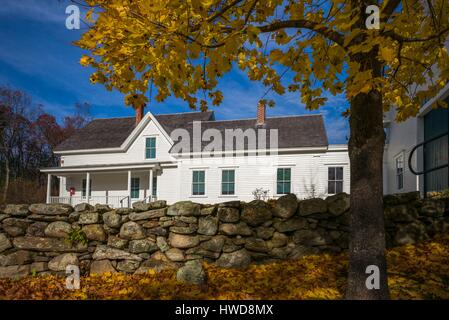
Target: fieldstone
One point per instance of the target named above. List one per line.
(146, 215)
(312, 206)
(150, 224)
(82, 207)
(278, 240)
(58, 229)
(158, 204)
(308, 238)
(40, 217)
(256, 213)
(143, 245)
(208, 210)
(411, 233)
(101, 267)
(38, 267)
(175, 255)
(292, 224)
(102, 208)
(228, 214)
(47, 244)
(162, 244)
(132, 231)
(186, 219)
(236, 259)
(16, 258)
(4, 242)
(94, 232)
(230, 204)
(20, 210)
(183, 241)
(159, 231)
(184, 230)
(104, 252)
(401, 213)
(53, 209)
(117, 242)
(156, 266)
(264, 232)
(37, 229)
(141, 206)
(123, 211)
(401, 198)
(232, 229)
(128, 266)
(89, 218)
(432, 208)
(286, 206)
(184, 208)
(338, 204)
(208, 225)
(61, 262)
(256, 244)
(158, 255)
(192, 272)
(215, 244)
(112, 219)
(15, 227)
(15, 272)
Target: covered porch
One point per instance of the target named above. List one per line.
(115, 185)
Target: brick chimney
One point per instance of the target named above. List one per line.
(139, 114)
(260, 114)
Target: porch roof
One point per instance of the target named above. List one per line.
(107, 167)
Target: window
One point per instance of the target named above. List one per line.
(283, 180)
(334, 180)
(198, 183)
(228, 182)
(85, 187)
(154, 191)
(399, 172)
(150, 148)
(135, 187)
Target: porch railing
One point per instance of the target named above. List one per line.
(112, 201)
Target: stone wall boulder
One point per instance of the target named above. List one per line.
(59, 209)
(432, 208)
(58, 229)
(338, 203)
(112, 219)
(143, 246)
(132, 231)
(208, 225)
(192, 272)
(83, 207)
(89, 218)
(104, 252)
(290, 225)
(286, 206)
(15, 227)
(182, 241)
(401, 213)
(94, 232)
(184, 208)
(236, 259)
(20, 210)
(228, 214)
(312, 206)
(256, 213)
(5, 243)
(47, 244)
(101, 267)
(401, 198)
(60, 263)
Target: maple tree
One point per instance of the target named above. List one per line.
(184, 47)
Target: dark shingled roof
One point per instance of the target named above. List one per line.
(293, 131)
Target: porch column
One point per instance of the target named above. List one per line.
(129, 188)
(150, 184)
(87, 186)
(48, 188)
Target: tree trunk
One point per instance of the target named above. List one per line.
(6, 186)
(367, 230)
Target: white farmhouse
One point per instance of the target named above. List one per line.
(192, 156)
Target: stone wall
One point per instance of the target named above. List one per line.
(45, 238)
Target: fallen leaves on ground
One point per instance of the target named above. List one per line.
(418, 271)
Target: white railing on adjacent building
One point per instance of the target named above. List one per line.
(113, 201)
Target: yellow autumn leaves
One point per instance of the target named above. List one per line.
(418, 271)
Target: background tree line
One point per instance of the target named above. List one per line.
(28, 136)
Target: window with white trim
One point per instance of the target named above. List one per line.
(135, 187)
(150, 148)
(334, 180)
(227, 182)
(198, 183)
(283, 184)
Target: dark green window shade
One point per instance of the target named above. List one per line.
(283, 185)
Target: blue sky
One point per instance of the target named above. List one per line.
(37, 56)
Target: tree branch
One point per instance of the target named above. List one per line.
(305, 24)
(400, 38)
(388, 9)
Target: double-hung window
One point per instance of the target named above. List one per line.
(154, 191)
(334, 180)
(283, 185)
(135, 187)
(150, 148)
(399, 172)
(198, 183)
(227, 182)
